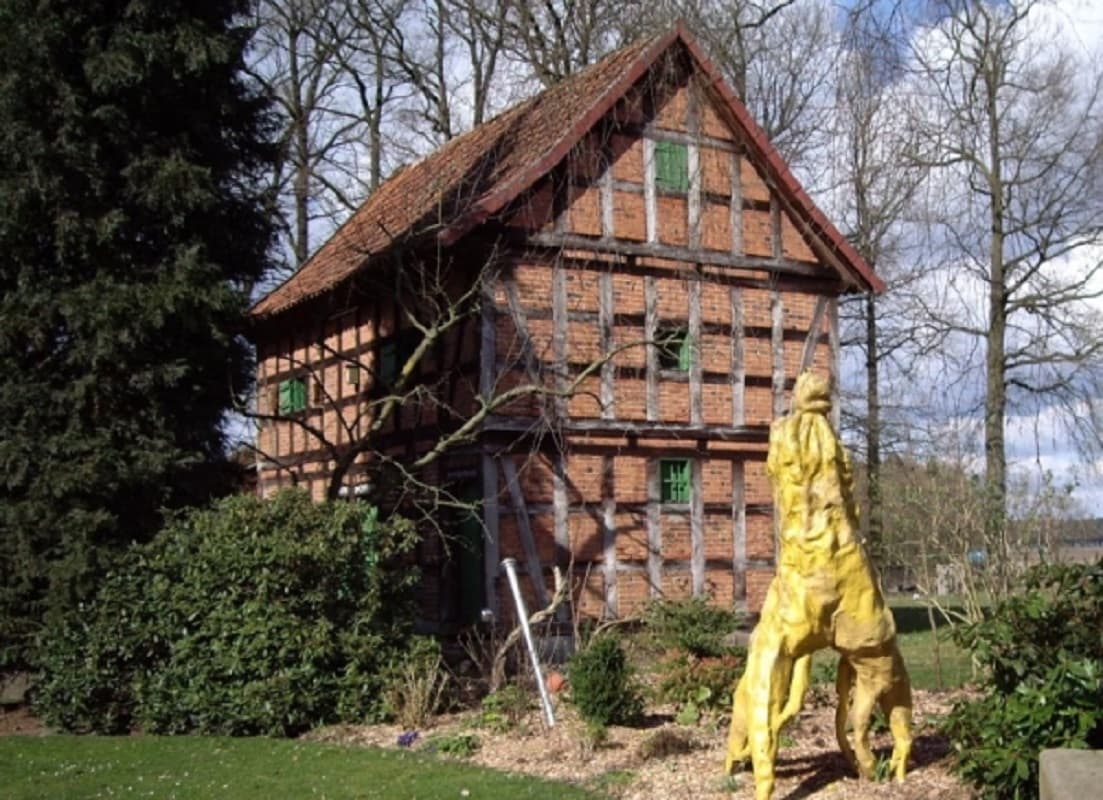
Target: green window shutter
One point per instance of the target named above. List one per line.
(292, 396)
(672, 166)
(685, 354)
(674, 476)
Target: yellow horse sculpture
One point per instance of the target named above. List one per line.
(825, 594)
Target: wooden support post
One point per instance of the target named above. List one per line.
(488, 342)
(608, 343)
(736, 210)
(524, 529)
(808, 354)
(650, 204)
(654, 531)
(560, 521)
(605, 186)
(697, 528)
(559, 337)
(693, 164)
(775, 225)
(738, 375)
(488, 347)
(650, 332)
(609, 534)
(739, 532)
(696, 409)
(490, 531)
(777, 350)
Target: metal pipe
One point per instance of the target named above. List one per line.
(510, 566)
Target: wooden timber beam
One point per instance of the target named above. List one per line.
(573, 241)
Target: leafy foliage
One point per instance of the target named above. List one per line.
(504, 709)
(134, 222)
(692, 626)
(255, 616)
(706, 683)
(1043, 652)
(417, 687)
(456, 745)
(603, 686)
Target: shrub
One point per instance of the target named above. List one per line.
(602, 684)
(504, 709)
(1043, 655)
(456, 745)
(251, 617)
(417, 684)
(692, 626)
(706, 682)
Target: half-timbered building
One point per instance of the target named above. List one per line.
(631, 249)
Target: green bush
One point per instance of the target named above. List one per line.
(504, 709)
(603, 686)
(1042, 651)
(707, 683)
(251, 617)
(692, 626)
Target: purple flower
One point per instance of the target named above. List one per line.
(407, 738)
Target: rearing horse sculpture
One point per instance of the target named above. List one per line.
(825, 594)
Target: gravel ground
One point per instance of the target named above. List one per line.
(809, 764)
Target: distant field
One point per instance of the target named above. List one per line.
(200, 768)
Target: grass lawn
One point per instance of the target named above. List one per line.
(919, 646)
(187, 767)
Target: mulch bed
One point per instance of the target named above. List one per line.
(809, 764)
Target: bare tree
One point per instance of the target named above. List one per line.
(448, 52)
(557, 38)
(940, 529)
(293, 58)
(1015, 123)
(876, 186)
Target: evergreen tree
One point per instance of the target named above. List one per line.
(133, 224)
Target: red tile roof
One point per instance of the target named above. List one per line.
(477, 174)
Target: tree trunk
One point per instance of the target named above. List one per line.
(995, 406)
(300, 158)
(874, 513)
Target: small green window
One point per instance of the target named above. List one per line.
(674, 480)
(675, 349)
(672, 166)
(292, 396)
